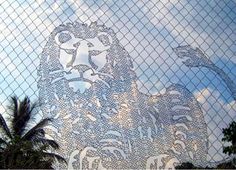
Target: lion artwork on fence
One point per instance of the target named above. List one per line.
(101, 120)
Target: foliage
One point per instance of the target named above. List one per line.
(230, 136)
(185, 165)
(226, 165)
(189, 165)
(24, 147)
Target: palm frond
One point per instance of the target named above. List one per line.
(54, 156)
(33, 106)
(14, 106)
(2, 141)
(31, 143)
(39, 133)
(4, 126)
(21, 116)
(1, 150)
(47, 142)
(31, 133)
(24, 106)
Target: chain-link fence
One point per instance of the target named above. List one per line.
(149, 31)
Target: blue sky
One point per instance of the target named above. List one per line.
(147, 29)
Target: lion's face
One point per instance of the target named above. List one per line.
(81, 61)
(86, 65)
(83, 57)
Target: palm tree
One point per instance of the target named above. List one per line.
(22, 146)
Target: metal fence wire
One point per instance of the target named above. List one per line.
(150, 31)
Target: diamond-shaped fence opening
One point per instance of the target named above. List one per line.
(149, 31)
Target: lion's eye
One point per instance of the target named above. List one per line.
(104, 39)
(63, 37)
(90, 44)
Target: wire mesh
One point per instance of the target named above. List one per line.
(149, 30)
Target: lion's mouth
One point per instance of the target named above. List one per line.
(82, 74)
(79, 79)
(81, 68)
